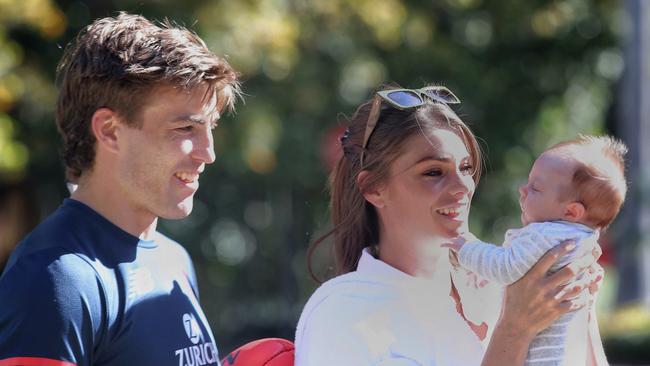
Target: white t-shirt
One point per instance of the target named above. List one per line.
(378, 315)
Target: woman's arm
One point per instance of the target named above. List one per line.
(533, 303)
(596, 353)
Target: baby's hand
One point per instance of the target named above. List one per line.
(458, 242)
(455, 244)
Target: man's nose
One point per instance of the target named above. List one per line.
(204, 148)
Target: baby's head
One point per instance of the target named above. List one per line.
(581, 180)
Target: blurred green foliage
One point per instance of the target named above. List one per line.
(529, 73)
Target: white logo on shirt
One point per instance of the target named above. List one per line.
(199, 354)
(192, 328)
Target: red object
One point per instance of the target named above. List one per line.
(262, 352)
(33, 361)
(607, 258)
(330, 147)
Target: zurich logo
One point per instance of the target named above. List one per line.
(192, 328)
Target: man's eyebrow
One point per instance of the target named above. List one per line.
(197, 119)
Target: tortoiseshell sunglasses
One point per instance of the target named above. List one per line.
(404, 99)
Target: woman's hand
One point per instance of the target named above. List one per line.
(596, 275)
(589, 278)
(595, 272)
(535, 301)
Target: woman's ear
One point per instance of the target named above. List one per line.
(104, 124)
(575, 211)
(375, 195)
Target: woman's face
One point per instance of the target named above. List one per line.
(429, 188)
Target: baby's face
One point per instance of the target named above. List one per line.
(540, 199)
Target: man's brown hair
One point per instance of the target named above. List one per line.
(598, 181)
(116, 63)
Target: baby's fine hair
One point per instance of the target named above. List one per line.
(598, 181)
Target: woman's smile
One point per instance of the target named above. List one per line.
(430, 189)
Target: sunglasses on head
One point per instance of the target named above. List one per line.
(404, 99)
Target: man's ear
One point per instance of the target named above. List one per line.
(374, 195)
(575, 211)
(104, 124)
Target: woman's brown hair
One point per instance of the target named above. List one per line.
(355, 224)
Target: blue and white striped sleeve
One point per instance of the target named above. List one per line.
(507, 263)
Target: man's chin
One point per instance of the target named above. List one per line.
(179, 211)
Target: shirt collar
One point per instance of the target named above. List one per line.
(381, 271)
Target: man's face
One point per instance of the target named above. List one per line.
(159, 164)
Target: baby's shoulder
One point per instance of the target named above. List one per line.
(557, 231)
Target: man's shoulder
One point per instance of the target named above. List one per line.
(54, 252)
(53, 291)
(53, 263)
(52, 238)
(51, 276)
(57, 229)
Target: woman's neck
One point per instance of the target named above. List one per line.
(423, 258)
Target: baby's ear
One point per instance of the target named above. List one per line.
(575, 211)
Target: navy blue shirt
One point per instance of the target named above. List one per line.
(79, 289)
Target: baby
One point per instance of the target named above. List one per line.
(575, 189)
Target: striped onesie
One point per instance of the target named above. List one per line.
(521, 250)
